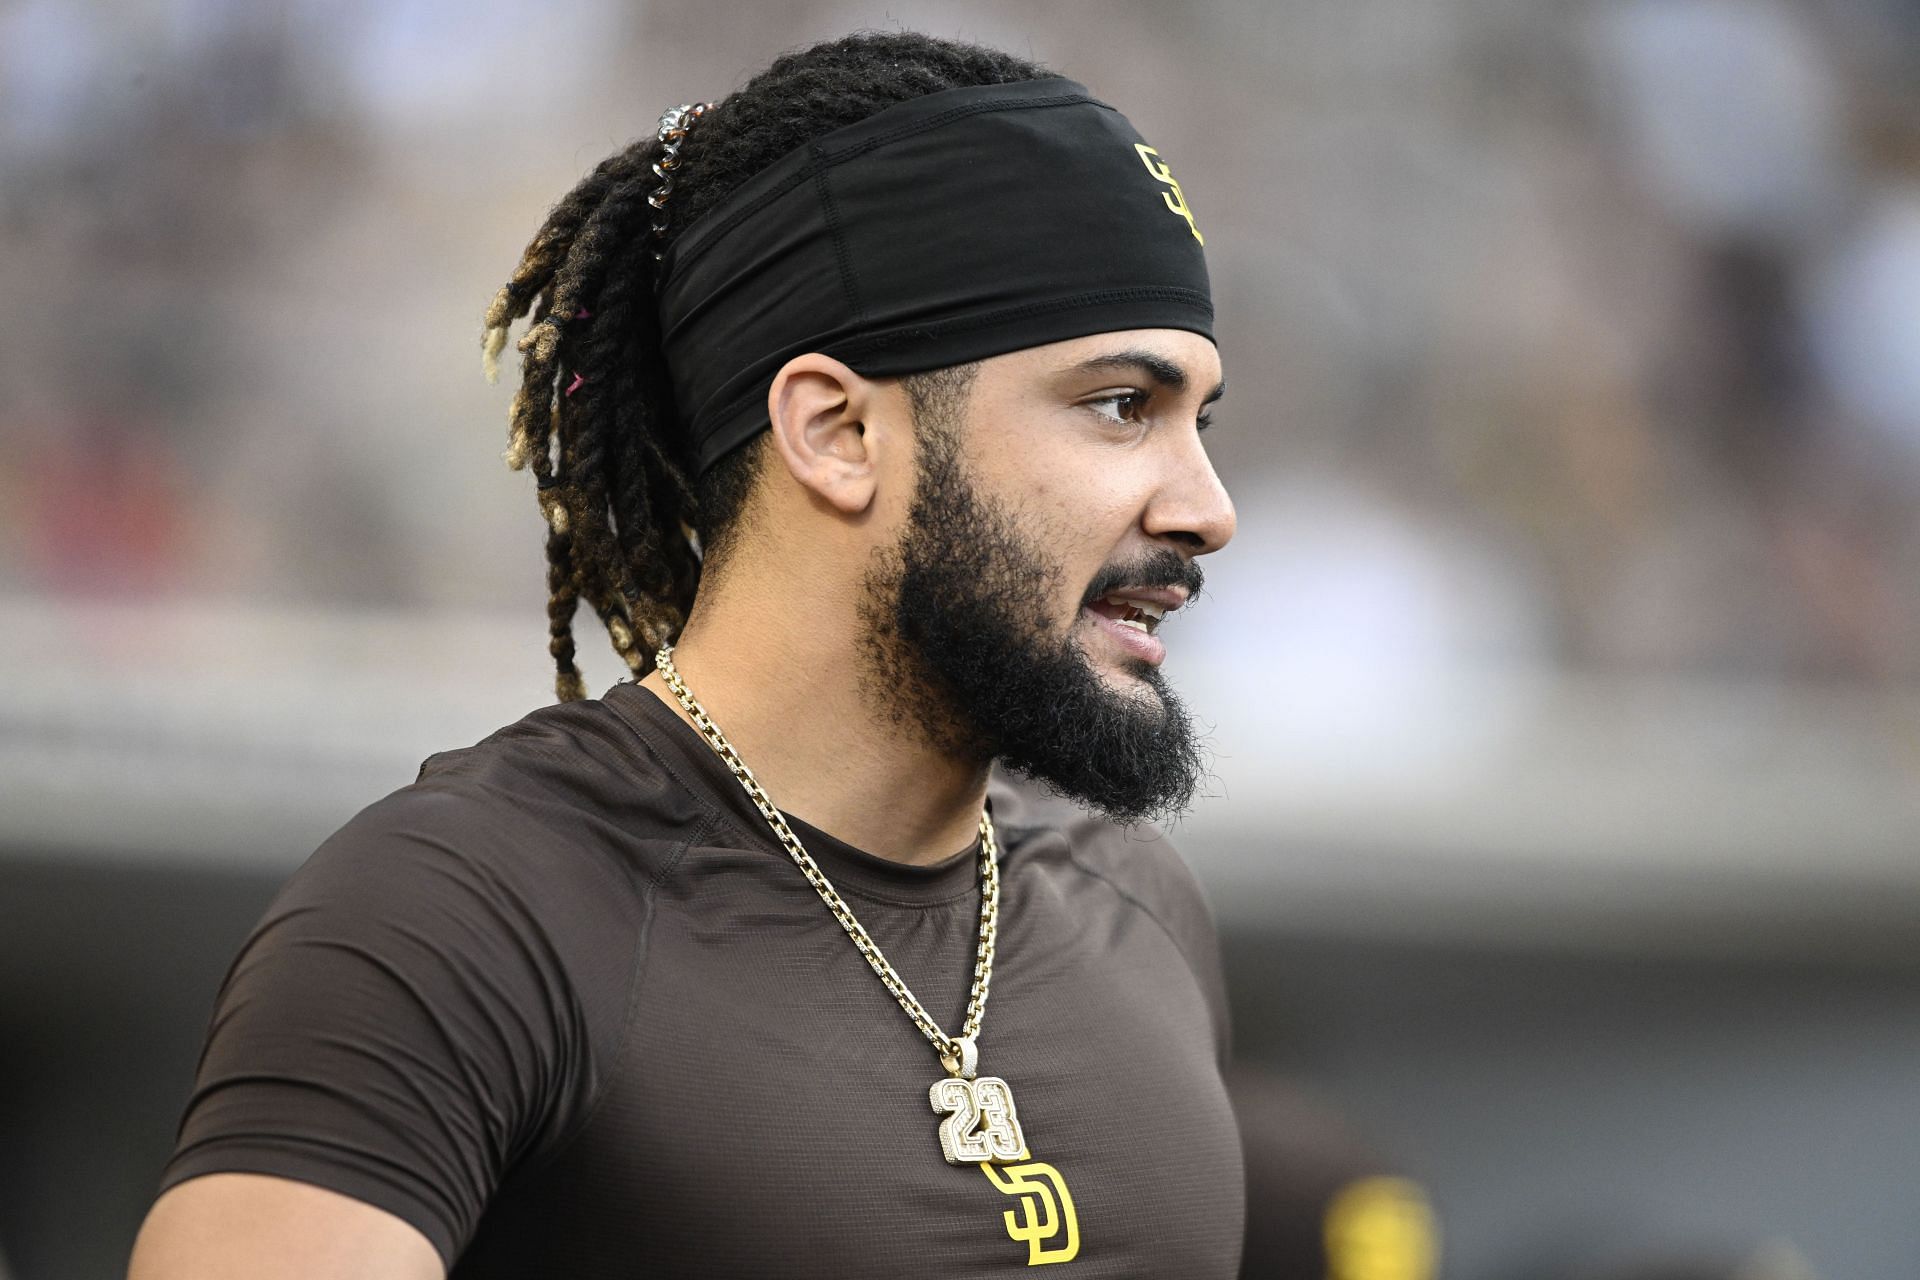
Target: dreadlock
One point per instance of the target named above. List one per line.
(628, 519)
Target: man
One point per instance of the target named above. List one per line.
(865, 410)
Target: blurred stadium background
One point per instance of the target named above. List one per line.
(1565, 672)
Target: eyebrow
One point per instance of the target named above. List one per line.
(1156, 366)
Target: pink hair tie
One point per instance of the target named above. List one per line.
(575, 384)
(582, 314)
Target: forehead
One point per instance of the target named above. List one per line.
(1177, 357)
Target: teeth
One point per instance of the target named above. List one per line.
(1140, 614)
(1138, 606)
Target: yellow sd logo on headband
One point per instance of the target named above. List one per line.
(1176, 199)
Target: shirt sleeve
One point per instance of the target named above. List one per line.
(398, 1028)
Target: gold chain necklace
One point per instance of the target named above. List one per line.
(981, 1123)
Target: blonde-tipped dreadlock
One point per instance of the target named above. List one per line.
(594, 416)
(604, 544)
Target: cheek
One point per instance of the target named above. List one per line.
(1089, 534)
(1097, 512)
(1080, 506)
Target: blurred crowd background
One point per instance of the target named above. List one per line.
(1565, 672)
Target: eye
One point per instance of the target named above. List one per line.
(1121, 406)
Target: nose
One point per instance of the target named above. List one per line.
(1191, 506)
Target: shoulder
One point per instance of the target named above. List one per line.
(569, 798)
(534, 851)
(1134, 862)
(438, 992)
(1137, 860)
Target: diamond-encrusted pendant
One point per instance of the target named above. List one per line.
(981, 1122)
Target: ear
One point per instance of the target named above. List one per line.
(817, 409)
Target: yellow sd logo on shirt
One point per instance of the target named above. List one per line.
(1045, 1219)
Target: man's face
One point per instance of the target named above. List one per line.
(1060, 498)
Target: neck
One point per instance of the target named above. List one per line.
(794, 703)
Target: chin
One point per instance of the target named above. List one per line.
(1131, 679)
(1116, 670)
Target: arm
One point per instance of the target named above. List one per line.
(242, 1226)
(396, 1032)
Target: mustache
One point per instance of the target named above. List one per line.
(1159, 568)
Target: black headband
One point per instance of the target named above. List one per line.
(949, 228)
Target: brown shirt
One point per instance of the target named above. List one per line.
(566, 1006)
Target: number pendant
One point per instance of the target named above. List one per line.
(980, 1124)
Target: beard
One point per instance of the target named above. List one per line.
(960, 641)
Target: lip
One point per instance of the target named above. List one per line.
(1168, 598)
(1134, 643)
